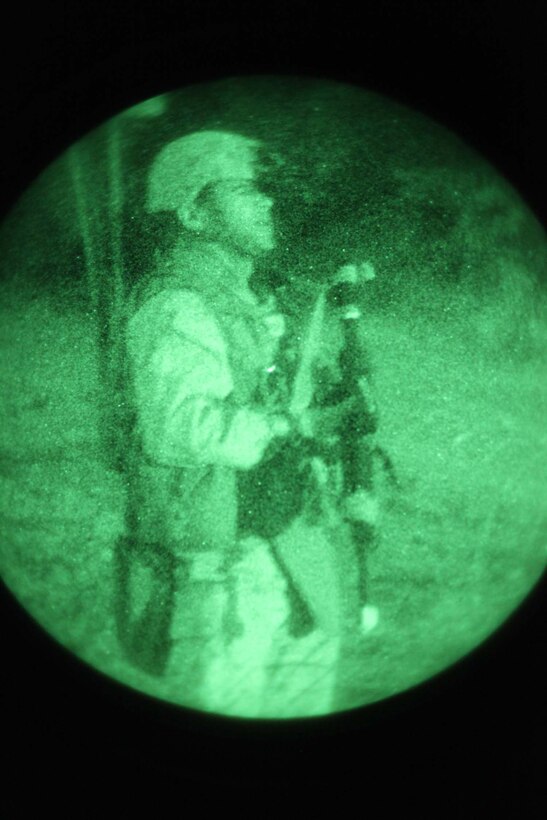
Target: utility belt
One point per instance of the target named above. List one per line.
(207, 566)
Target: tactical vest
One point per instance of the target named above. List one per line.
(204, 494)
(201, 268)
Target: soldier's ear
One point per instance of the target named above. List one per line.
(192, 217)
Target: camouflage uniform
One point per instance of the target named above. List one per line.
(214, 606)
(199, 353)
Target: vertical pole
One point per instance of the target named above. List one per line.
(90, 256)
(94, 257)
(115, 222)
(114, 352)
(104, 279)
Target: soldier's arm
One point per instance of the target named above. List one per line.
(184, 388)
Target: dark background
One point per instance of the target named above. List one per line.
(477, 68)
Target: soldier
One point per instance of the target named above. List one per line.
(232, 599)
(199, 347)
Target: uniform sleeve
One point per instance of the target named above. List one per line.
(183, 387)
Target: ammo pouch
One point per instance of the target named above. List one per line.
(145, 639)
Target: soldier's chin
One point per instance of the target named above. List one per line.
(267, 242)
(261, 242)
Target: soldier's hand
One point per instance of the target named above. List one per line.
(280, 426)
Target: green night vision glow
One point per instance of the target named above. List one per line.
(274, 387)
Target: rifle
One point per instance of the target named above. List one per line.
(357, 449)
(274, 493)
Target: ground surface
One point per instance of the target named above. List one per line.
(462, 543)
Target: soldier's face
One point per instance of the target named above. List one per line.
(239, 214)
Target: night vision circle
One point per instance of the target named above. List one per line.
(274, 389)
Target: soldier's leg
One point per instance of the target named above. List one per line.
(198, 630)
(238, 679)
(302, 671)
(144, 566)
(202, 522)
(268, 671)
